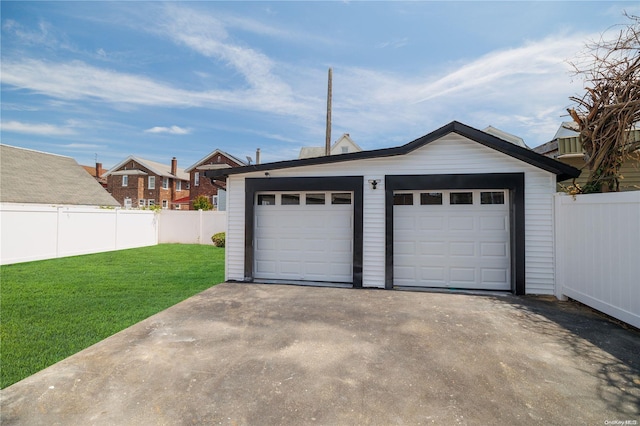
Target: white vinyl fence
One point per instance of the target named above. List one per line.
(36, 232)
(598, 252)
(190, 227)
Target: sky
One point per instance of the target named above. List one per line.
(101, 81)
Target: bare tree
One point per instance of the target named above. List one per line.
(610, 108)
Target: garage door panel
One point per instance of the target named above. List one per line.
(405, 247)
(432, 274)
(494, 275)
(436, 248)
(493, 223)
(462, 249)
(462, 245)
(303, 242)
(428, 223)
(493, 249)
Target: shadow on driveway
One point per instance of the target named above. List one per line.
(257, 354)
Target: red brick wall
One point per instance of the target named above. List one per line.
(205, 187)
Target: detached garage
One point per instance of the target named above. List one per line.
(458, 209)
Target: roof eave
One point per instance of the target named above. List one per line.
(564, 171)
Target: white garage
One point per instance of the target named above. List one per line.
(304, 236)
(458, 208)
(452, 239)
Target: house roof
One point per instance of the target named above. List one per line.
(505, 136)
(211, 154)
(29, 176)
(563, 171)
(319, 151)
(159, 169)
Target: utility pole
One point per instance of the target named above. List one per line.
(327, 146)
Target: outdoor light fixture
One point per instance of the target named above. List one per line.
(374, 183)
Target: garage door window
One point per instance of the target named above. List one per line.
(290, 199)
(403, 199)
(431, 199)
(266, 199)
(461, 198)
(341, 198)
(315, 199)
(492, 197)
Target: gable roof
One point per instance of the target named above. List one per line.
(211, 154)
(29, 176)
(157, 168)
(319, 151)
(563, 171)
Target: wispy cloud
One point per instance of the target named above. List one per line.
(173, 130)
(36, 129)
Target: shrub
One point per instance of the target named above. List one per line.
(201, 202)
(218, 239)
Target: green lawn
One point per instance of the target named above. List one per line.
(51, 309)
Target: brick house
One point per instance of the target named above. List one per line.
(97, 173)
(202, 186)
(140, 183)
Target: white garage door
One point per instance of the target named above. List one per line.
(304, 236)
(452, 239)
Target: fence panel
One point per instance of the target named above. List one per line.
(190, 227)
(37, 232)
(598, 252)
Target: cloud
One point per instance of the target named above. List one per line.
(173, 130)
(36, 129)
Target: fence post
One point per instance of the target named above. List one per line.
(58, 237)
(560, 248)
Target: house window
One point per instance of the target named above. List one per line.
(141, 202)
(461, 198)
(125, 180)
(431, 198)
(214, 200)
(152, 182)
(315, 199)
(188, 185)
(341, 198)
(196, 179)
(152, 203)
(165, 183)
(403, 199)
(345, 149)
(165, 204)
(178, 185)
(177, 207)
(496, 197)
(127, 203)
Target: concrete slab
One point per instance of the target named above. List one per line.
(289, 355)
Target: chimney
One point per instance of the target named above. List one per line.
(258, 156)
(98, 170)
(174, 166)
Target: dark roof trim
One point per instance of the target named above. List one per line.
(563, 171)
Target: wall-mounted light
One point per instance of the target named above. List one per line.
(374, 183)
(266, 174)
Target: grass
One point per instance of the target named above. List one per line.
(52, 309)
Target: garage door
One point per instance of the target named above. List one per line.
(304, 236)
(452, 239)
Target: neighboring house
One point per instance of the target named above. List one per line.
(458, 208)
(140, 183)
(97, 173)
(33, 177)
(566, 147)
(343, 145)
(214, 191)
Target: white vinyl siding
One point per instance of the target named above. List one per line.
(453, 154)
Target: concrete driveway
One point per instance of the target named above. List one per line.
(289, 355)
